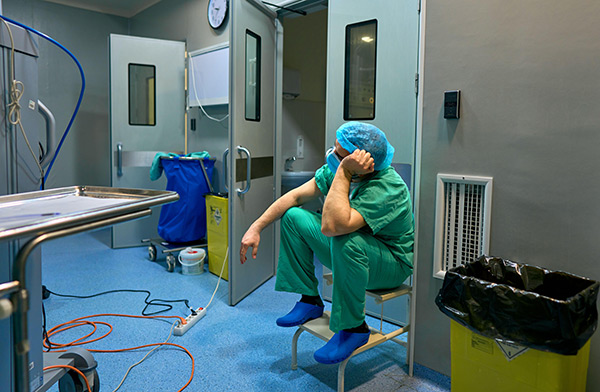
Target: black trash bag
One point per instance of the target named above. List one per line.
(546, 310)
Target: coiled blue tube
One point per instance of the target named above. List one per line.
(62, 139)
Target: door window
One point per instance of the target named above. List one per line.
(252, 112)
(142, 94)
(360, 71)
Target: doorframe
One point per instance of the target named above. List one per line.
(278, 128)
(417, 175)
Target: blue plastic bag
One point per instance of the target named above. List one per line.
(185, 220)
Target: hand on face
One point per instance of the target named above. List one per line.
(360, 162)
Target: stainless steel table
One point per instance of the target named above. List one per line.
(52, 214)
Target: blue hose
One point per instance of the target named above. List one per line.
(80, 94)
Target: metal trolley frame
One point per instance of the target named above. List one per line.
(46, 215)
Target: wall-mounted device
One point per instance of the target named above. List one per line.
(208, 82)
(452, 104)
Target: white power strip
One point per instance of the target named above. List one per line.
(190, 321)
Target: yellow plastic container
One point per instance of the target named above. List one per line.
(217, 215)
(480, 364)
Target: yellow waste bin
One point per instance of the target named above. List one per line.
(481, 364)
(518, 327)
(217, 215)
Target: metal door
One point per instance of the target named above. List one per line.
(396, 24)
(253, 33)
(147, 106)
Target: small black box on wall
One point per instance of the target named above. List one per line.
(452, 104)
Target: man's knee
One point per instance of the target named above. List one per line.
(291, 215)
(297, 219)
(290, 219)
(349, 246)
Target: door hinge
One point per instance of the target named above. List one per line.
(419, 6)
(186, 65)
(417, 83)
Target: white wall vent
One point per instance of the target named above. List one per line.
(462, 229)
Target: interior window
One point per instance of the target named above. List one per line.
(142, 94)
(360, 71)
(252, 76)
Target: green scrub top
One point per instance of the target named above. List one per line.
(384, 203)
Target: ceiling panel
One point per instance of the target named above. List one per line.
(129, 8)
(125, 8)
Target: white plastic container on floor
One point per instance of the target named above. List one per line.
(192, 261)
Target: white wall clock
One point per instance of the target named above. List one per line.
(217, 11)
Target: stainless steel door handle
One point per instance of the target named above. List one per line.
(50, 133)
(248, 169)
(119, 159)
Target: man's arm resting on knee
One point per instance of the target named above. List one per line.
(293, 198)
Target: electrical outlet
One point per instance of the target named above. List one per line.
(189, 322)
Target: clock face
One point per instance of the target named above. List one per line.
(217, 11)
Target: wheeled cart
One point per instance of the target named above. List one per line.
(183, 224)
(168, 249)
(36, 217)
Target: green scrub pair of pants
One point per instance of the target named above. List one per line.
(358, 261)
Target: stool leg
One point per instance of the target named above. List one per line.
(411, 365)
(408, 348)
(295, 348)
(381, 319)
(341, 370)
(409, 342)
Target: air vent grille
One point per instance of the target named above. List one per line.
(462, 224)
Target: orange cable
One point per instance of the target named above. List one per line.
(78, 322)
(56, 329)
(78, 342)
(87, 384)
(156, 344)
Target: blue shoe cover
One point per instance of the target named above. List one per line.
(341, 346)
(301, 313)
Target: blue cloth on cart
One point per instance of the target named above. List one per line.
(156, 169)
(185, 220)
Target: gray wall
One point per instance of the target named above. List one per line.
(83, 157)
(528, 72)
(179, 20)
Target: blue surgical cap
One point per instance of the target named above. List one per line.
(357, 135)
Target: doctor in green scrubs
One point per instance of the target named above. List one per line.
(365, 235)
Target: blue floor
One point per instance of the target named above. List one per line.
(235, 348)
